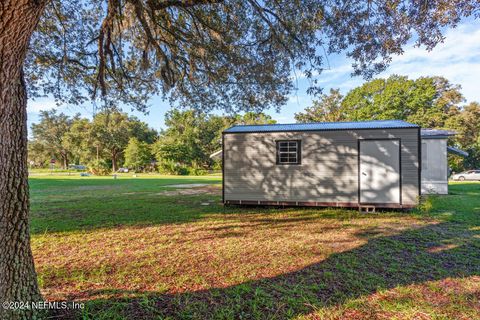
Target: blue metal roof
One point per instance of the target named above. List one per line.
(322, 126)
(457, 151)
(437, 133)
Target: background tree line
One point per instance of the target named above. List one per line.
(113, 140)
(431, 102)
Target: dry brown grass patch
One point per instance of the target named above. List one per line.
(212, 253)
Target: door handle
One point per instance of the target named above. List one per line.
(363, 173)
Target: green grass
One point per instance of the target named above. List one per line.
(132, 248)
(69, 203)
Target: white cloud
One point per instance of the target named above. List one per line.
(457, 59)
(461, 44)
(297, 97)
(37, 105)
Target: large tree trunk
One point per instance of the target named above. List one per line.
(114, 161)
(65, 161)
(18, 281)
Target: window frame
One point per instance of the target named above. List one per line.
(299, 152)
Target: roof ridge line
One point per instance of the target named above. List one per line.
(319, 122)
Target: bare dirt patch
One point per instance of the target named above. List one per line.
(187, 185)
(92, 188)
(203, 189)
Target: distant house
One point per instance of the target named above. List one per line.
(370, 164)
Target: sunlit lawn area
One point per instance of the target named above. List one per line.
(134, 248)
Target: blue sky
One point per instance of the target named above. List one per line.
(457, 59)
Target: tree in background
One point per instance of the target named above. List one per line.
(431, 102)
(101, 141)
(51, 131)
(426, 101)
(182, 144)
(467, 125)
(38, 157)
(233, 55)
(111, 131)
(137, 154)
(327, 109)
(435, 100)
(191, 136)
(142, 131)
(78, 139)
(251, 118)
(380, 99)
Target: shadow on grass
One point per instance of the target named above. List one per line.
(433, 252)
(142, 209)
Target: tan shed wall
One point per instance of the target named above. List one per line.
(328, 172)
(434, 166)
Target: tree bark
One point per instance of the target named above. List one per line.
(65, 161)
(18, 281)
(114, 161)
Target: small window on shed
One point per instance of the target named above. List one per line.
(289, 152)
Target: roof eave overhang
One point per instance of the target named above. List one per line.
(317, 130)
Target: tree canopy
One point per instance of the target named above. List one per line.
(467, 125)
(219, 54)
(191, 136)
(113, 139)
(137, 154)
(326, 109)
(106, 137)
(431, 102)
(426, 101)
(50, 133)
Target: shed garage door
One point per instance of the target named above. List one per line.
(379, 165)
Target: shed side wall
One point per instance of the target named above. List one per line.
(329, 169)
(434, 166)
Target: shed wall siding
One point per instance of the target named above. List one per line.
(329, 169)
(434, 166)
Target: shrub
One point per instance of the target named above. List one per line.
(197, 171)
(183, 171)
(425, 205)
(175, 168)
(99, 168)
(217, 165)
(172, 167)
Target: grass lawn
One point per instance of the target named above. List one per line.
(134, 248)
